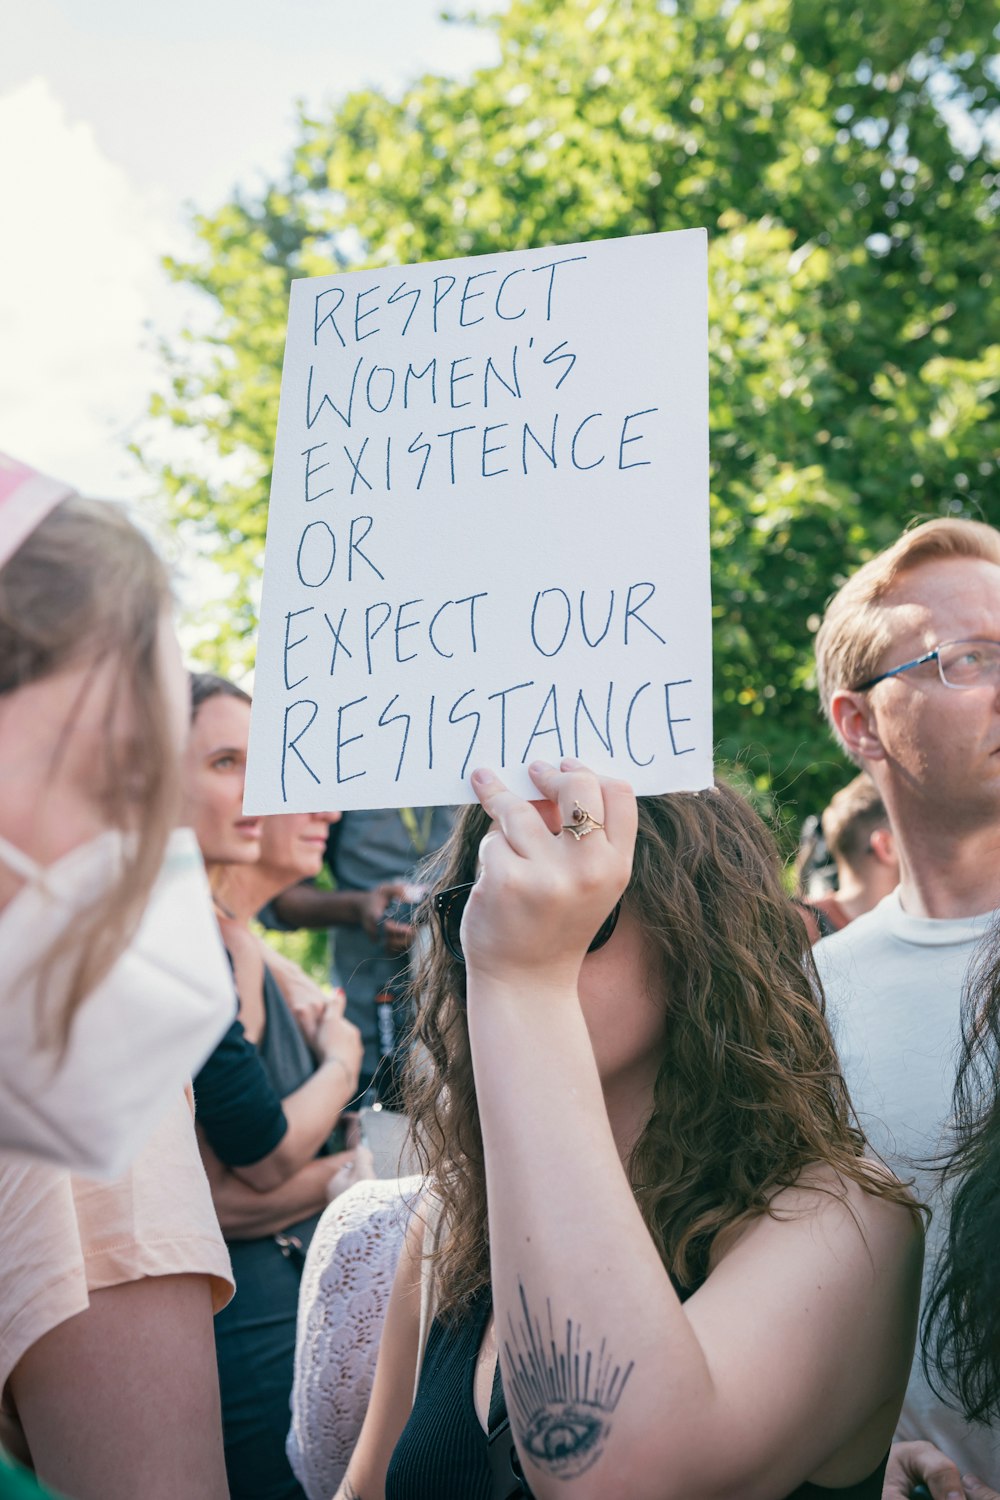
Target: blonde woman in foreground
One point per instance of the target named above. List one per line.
(108, 1386)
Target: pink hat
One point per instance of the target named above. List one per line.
(26, 497)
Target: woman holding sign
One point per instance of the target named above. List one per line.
(654, 1243)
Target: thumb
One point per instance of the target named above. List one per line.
(977, 1490)
(919, 1462)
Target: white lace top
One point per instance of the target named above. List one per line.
(346, 1283)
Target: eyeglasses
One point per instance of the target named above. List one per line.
(961, 664)
(450, 904)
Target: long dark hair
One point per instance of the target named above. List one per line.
(960, 1327)
(748, 1091)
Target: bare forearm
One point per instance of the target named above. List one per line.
(311, 1112)
(807, 1309)
(246, 1214)
(314, 1109)
(310, 906)
(568, 1245)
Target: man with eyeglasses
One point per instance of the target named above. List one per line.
(908, 665)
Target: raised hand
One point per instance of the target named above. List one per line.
(550, 874)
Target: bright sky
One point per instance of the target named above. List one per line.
(114, 118)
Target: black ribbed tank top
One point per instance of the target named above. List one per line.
(442, 1451)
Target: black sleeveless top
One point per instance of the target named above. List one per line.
(442, 1453)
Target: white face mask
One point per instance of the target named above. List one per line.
(137, 1038)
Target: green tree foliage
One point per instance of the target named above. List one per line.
(842, 160)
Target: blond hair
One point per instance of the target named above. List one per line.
(855, 632)
(85, 588)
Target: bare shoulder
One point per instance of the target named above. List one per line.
(879, 1208)
(409, 1268)
(811, 1306)
(852, 1220)
(411, 1297)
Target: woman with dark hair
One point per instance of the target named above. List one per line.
(654, 1242)
(960, 1326)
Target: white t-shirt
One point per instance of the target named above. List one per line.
(894, 985)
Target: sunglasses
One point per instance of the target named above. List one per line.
(450, 905)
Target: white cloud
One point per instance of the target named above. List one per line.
(79, 278)
(113, 117)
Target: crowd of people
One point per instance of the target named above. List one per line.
(702, 1187)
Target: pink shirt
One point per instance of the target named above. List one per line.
(64, 1236)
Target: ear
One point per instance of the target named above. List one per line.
(854, 722)
(883, 846)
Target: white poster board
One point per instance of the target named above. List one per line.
(488, 532)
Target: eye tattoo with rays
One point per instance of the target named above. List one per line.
(560, 1394)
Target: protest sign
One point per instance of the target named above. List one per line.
(488, 533)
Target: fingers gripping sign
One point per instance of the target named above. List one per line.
(611, 809)
(551, 872)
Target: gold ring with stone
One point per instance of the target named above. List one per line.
(582, 823)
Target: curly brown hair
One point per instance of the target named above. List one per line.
(749, 1091)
